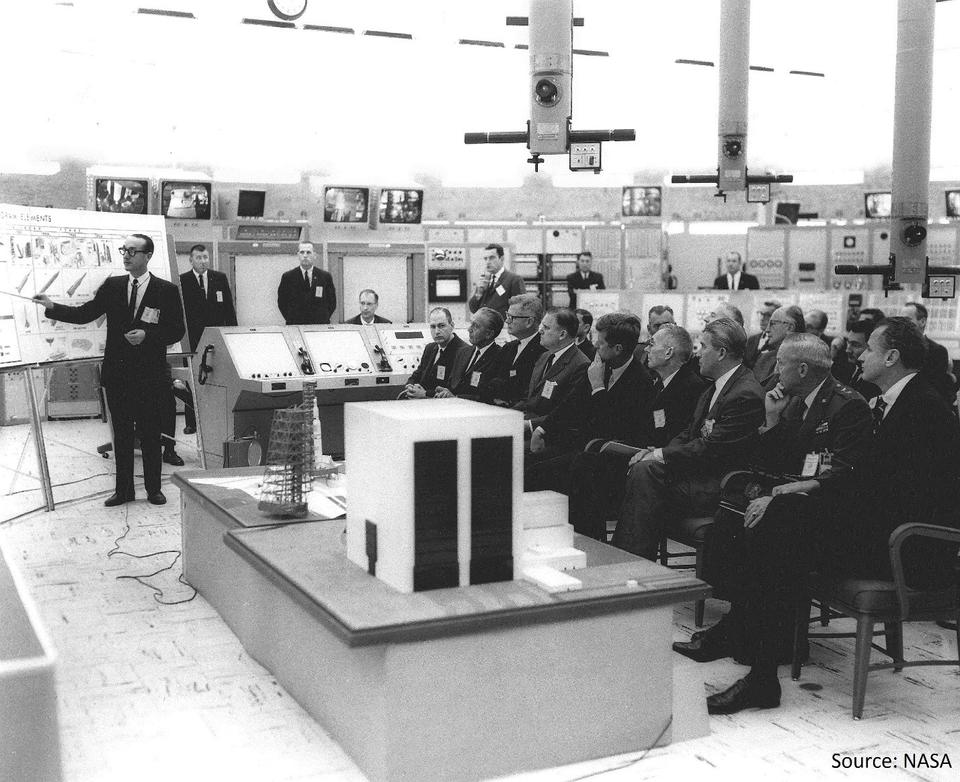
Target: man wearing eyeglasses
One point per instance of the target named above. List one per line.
(306, 294)
(144, 316)
(784, 321)
(515, 365)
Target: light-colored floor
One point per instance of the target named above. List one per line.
(153, 690)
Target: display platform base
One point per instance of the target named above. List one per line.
(450, 684)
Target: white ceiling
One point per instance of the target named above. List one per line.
(99, 82)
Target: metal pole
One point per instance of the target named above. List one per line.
(196, 409)
(38, 440)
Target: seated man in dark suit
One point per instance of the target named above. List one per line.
(511, 380)
(369, 301)
(584, 343)
(583, 279)
(815, 437)
(597, 482)
(857, 337)
(557, 371)
(909, 472)
(485, 326)
(443, 360)
(937, 368)
(607, 403)
(497, 285)
(757, 342)
(784, 321)
(683, 477)
(735, 279)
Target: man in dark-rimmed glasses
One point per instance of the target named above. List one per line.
(516, 360)
(144, 315)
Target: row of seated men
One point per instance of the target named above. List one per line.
(645, 432)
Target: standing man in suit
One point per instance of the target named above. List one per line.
(443, 361)
(756, 560)
(557, 371)
(735, 279)
(583, 279)
(936, 366)
(485, 326)
(207, 301)
(584, 343)
(369, 301)
(683, 477)
(497, 285)
(306, 294)
(511, 378)
(144, 316)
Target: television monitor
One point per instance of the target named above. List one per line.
(185, 200)
(447, 285)
(641, 201)
(346, 204)
(877, 204)
(401, 206)
(953, 203)
(127, 196)
(250, 203)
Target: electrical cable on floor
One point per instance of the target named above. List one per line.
(628, 763)
(65, 483)
(141, 579)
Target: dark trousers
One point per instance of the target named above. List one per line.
(168, 414)
(654, 496)
(760, 571)
(134, 407)
(597, 482)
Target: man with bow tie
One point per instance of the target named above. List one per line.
(306, 294)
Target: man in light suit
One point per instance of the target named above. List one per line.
(684, 475)
(497, 285)
(306, 294)
(583, 279)
(516, 359)
(144, 316)
(735, 279)
(443, 362)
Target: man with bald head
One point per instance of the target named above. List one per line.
(784, 321)
(735, 278)
(475, 383)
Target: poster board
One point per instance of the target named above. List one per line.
(66, 254)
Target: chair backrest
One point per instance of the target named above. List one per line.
(909, 598)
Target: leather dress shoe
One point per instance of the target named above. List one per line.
(703, 650)
(748, 693)
(172, 457)
(157, 498)
(117, 499)
(189, 430)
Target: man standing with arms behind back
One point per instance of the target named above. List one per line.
(306, 294)
(735, 279)
(496, 285)
(144, 316)
(583, 279)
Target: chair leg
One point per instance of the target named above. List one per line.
(801, 620)
(664, 556)
(824, 614)
(893, 631)
(698, 571)
(861, 663)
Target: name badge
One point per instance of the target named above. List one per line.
(811, 463)
(150, 315)
(659, 419)
(441, 372)
(220, 296)
(548, 387)
(474, 379)
(513, 373)
(501, 290)
(318, 292)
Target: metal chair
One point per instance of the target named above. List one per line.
(871, 602)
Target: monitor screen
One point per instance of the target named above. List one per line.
(953, 203)
(876, 204)
(447, 288)
(250, 203)
(401, 206)
(641, 201)
(185, 200)
(128, 196)
(345, 204)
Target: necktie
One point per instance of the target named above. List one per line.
(878, 409)
(607, 374)
(473, 360)
(306, 278)
(133, 300)
(855, 378)
(657, 385)
(801, 410)
(203, 289)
